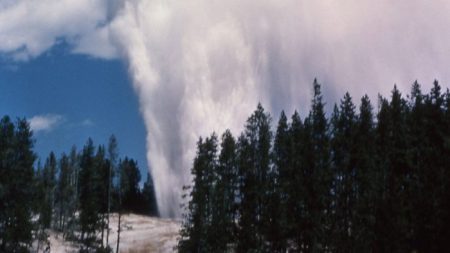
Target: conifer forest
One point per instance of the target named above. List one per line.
(359, 179)
(366, 177)
(73, 193)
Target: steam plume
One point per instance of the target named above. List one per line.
(199, 66)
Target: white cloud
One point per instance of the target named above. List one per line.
(29, 27)
(45, 123)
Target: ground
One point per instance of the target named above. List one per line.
(140, 234)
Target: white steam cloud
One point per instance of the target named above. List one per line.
(202, 65)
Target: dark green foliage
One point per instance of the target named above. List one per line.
(49, 187)
(148, 194)
(255, 145)
(281, 189)
(224, 195)
(197, 233)
(16, 187)
(70, 194)
(63, 191)
(112, 156)
(89, 199)
(70, 223)
(129, 181)
(348, 184)
(344, 170)
(319, 173)
(365, 179)
(298, 183)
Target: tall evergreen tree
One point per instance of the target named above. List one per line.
(281, 192)
(49, 187)
(101, 182)
(255, 171)
(16, 187)
(149, 197)
(247, 232)
(196, 232)
(382, 161)
(319, 196)
(445, 205)
(365, 179)
(89, 217)
(296, 187)
(210, 216)
(417, 161)
(130, 179)
(63, 191)
(73, 193)
(192, 221)
(113, 154)
(399, 174)
(225, 189)
(436, 174)
(344, 187)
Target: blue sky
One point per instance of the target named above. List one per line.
(78, 97)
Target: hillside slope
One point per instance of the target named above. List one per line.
(140, 234)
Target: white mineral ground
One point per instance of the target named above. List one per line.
(140, 234)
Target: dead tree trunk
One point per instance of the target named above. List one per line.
(118, 232)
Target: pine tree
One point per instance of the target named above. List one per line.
(210, 216)
(445, 205)
(89, 202)
(130, 196)
(41, 235)
(319, 196)
(247, 233)
(119, 204)
(63, 190)
(196, 232)
(149, 197)
(192, 225)
(130, 179)
(225, 189)
(49, 186)
(112, 156)
(399, 173)
(73, 193)
(344, 170)
(365, 179)
(297, 185)
(417, 161)
(382, 225)
(101, 182)
(281, 190)
(436, 175)
(255, 146)
(16, 187)
(394, 171)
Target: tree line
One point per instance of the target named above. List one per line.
(73, 193)
(355, 181)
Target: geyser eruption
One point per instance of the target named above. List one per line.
(202, 65)
(188, 78)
